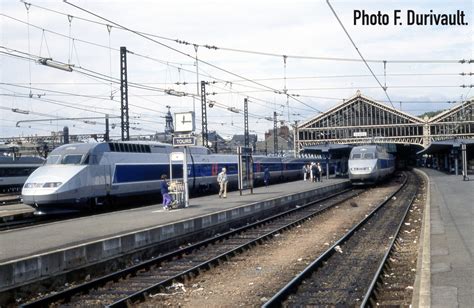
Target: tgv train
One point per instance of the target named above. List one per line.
(80, 176)
(15, 170)
(369, 164)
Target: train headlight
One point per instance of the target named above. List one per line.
(52, 184)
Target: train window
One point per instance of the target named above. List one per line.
(356, 156)
(112, 147)
(53, 159)
(140, 148)
(147, 149)
(86, 160)
(121, 147)
(368, 155)
(72, 159)
(15, 171)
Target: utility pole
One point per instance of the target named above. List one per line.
(295, 139)
(107, 132)
(246, 123)
(125, 125)
(204, 115)
(275, 137)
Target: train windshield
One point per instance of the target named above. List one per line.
(71, 159)
(68, 159)
(53, 159)
(363, 156)
(368, 155)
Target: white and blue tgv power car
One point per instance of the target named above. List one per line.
(82, 176)
(369, 164)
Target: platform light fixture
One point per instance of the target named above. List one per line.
(175, 93)
(20, 111)
(233, 109)
(54, 64)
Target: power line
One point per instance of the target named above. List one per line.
(185, 54)
(262, 53)
(360, 54)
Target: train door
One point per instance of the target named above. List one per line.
(101, 181)
(214, 169)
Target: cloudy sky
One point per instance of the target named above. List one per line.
(422, 71)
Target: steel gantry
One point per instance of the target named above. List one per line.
(361, 120)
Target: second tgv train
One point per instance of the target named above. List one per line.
(369, 164)
(80, 176)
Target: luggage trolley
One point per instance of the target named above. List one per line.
(176, 192)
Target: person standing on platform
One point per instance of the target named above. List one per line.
(305, 171)
(165, 193)
(314, 171)
(222, 180)
(319, 172)
(266, 177)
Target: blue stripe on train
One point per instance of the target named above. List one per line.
(386, 163)
(153, 172)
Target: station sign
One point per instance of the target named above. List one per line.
(360, 134)
(184, 141)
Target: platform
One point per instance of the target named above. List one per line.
(44, 250)
(449, 275)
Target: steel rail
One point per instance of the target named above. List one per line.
(377, 276)
(289, 288)
(146, 265)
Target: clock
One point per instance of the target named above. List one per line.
(184, 122)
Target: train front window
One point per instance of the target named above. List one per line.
(356, 156)
(368, 155)
(53, 159)
(72, 159)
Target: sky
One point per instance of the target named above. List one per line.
(262, 49)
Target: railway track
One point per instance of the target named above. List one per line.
(9, 198)
(347, 272)
(134, 284)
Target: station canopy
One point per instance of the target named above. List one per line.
(443, 146)
(333, 149)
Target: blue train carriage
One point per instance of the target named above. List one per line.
(93, 175)
(370, 164)
(81, 176)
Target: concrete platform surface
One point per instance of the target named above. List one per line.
(27, 242)
(452, 240)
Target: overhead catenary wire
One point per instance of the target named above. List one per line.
(254, 79)
(235, 81)
(185, 54)
(262, 53)
(83, 108)
(360, 54)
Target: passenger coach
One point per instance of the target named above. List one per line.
(80, 176)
